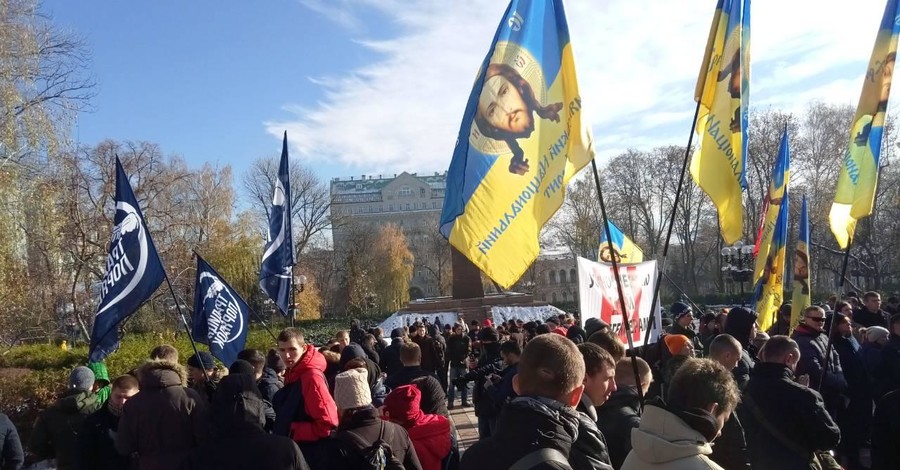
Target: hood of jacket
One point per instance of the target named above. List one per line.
(312, 360)
(76, 401)
(237, 405)
(663, 437)
(351, 352)
(99, 370)
(739, 323)
(625, 397)
(527, 419)
(162, 374)
(429, 426)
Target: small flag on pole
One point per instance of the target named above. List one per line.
(221, 317)
(625, 249)
(275, 273)
(133, 270)
(801, 297)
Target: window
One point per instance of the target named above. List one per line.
(359, 186)
(552, 277)
(421, 192)
(572, 275)
(434, 205)
(407, 206)
(404, 191)
(562, 276)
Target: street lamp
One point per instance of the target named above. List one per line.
(737, 261)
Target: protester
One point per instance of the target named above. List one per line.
(431, 356)
(708, 330)
(96, 439)
(677, 433)
(380, 343)
(390, 357)
(203, 374)
(241, 366)
(266, 378)
(429, 433)
(368, 345)
(459, 346)
(782, 325)
(490, 362)
(609, 342)
(680, 349)
(361, 429)
(305, 410)
(870, 313)
(886, 433)
(499, 387)
(593, 325)
(813, 343)
(622, 410)
(411, 360)
(589, 451)
(855, 419)
(890, 358)
(541, 424)
(576, 333)
(785, 422)
(55, 434)
(682, 314)
(238, 440)
(356, 334)
(11, 455)
(165, 421)
(164, 352)
(740, 323)
(101, 381)
(274, 362)
(353, 357)
(730, 450)
(341, 340)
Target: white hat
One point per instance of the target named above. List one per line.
(876, 333)
(351, 389)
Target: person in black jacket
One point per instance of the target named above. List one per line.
(356, 333)
(266, 378)
(813, 342)
(490, 363)
(622, 411)
(856, 418)
(889, 375)
(96, 440)
(773, 400)
(590, 450)
(684, 324)
(543, 418)
(459, 346)
(886, 433)
(390, 356)
(740, 323)
(870, 313)
(411, 358)
(730, 449)
(11, 455)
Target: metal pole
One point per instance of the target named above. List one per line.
(187, 328)
(831, 326)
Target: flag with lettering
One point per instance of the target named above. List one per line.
(221, 317)
(522, 138)
(133, 270)
(625, 249)
(855, 195)
(801, 297)
(723, 93)
(768, 277)
(275, 273)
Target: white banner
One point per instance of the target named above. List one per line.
(599, 297)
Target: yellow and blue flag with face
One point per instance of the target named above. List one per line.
(522, 138)
(626, 250)
(855, 195)
(723, 93)
(801, 297)
(770, 261)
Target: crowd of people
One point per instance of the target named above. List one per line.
(551, 394)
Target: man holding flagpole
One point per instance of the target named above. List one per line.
(276, 270)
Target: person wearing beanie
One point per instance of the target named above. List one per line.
(680, 349)
(390, 356)
(683, 317)
(267, 379)
(740, 323)
(361, 427)
(203, 374)
(875, 339)
(782, 325)
(55, 434)
(356, 355)
(96, 440)
(430, 434)
(165, 421)
(241, 366)
(593, 325)
(679, 345)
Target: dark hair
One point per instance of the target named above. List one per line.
(550, 367)
(289, 334)
(596, 359)
(870, 295)
(254, 357)
(609, 343)
(164, 352)
(542, 329)
(511, 347)
(701, 382)
(776, 348)
(125, 382)
(274, 361)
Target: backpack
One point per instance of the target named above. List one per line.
(377, 456)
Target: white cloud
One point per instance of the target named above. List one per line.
(637, 66)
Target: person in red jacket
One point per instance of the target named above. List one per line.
(430, 434)
(304, 408)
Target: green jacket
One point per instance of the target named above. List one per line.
(101, 374)
(55, 433)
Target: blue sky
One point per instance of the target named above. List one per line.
(378, 86)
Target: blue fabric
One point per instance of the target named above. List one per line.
(221, 317)
(276, 271)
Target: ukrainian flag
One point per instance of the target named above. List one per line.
(769, 273)
(723, 92)
(855, 195)
(522, 138)
(801, 297)
(626, 250)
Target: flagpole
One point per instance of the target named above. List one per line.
(184, 321)
(831, 326)
(262, 322)
(292, 310)
(665, 255)
(626, 320)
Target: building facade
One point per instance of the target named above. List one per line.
(410, 201)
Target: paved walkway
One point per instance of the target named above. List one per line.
(466, 426)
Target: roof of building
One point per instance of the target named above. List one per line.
(371, 184)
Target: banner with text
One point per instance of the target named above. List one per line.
(599, 297)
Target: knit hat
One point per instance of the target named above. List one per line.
(488, 335)
(676, 343)
(404, 405)
(876, 333)
(680, 309)
(488, 322)
(397, 333)
(204, 361)
(81, 378)
(351, 389)
(593, 324)
(241, 366)
(274, 361)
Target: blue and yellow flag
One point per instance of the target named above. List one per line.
(801, 297)
(723, 92)
(626, 250)
(522, 138)
(770, 262)
(855, 195)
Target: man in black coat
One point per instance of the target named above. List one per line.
(490, 362)
(590, 450)
(390, 357)
(856, 418)
(622, 411)
(813, 342)
(889, 376)
(785, 422)
(11, 455)
(740, 323)
(684, 324)
(730, 449)
(411, 359)
(871, 314)
(266, 378)
(886, 433)
(459, 346)
(97, 439)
